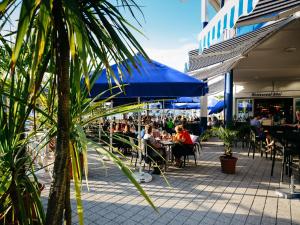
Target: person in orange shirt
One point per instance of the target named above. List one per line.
(183, 144)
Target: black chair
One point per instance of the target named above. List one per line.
(291, 154)
(278, 149)
(134, 151)
(192, 151)
(254, 143)
(152, 155)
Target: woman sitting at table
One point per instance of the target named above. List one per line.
(269, 143)
(183, 144)
(155, 150)
(165, 136)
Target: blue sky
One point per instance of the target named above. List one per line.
(171, 27)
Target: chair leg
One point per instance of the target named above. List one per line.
(253, 148)
(165, 166)
(136, 159)
(249, 148)
(289, 164)
(282, 168)
(273, 161)
(184, 158)
(195, 159)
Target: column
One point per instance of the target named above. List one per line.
(228, 97)
(204, 18)
(203, 112)
(222, 3)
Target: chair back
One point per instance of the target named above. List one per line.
(144, 146)
(133, 145)
(252, 136)
(195, 139)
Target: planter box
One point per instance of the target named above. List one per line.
(228, 164)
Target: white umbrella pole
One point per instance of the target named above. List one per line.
(110, 130)
(140, 176)
(163, 114)
(140, 137)
(100, 130)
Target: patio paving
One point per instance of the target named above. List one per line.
(197, 194)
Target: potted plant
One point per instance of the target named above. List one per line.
(228, 162)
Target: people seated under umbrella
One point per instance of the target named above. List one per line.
(183, 144)
(155, 150)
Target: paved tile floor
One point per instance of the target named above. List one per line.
(197, 194)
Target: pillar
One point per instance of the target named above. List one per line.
(203, 112)
(204, 8)
(228, 97)
(222, 3)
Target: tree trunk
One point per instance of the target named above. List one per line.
(56, 202)
(68, 210)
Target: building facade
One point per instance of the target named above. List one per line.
(251, 49)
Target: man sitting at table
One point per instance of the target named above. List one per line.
(155, 150)
(183, 144)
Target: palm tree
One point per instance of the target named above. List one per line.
(71, 32)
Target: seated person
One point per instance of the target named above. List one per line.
(155, 132)
(269, 143)
(165, 136)
(128, 131)
(183, 144)
(255, 122)
(156, 151)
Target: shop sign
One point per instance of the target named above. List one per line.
(267, 94)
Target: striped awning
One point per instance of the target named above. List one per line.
(230, 50)
(267, 8)
(215, 70)
(239, 12)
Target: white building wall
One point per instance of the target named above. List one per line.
(286, 88)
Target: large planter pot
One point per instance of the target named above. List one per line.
(228, 164)
(81, 166)
(29, 208)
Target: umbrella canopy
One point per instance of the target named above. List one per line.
(150, 80)
(247, 106)
(187, 100)
(218, 107)
(186, 106)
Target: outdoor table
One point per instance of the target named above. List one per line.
(168, 145)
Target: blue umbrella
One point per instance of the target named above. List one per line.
(186, 106)
(217, 108)
(150, 80)
(187, 100)
(248, 106)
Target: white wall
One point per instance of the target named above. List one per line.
(286, 88)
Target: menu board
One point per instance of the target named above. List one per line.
(244, 109)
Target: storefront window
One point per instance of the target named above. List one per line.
(278, 110)
(244, 109)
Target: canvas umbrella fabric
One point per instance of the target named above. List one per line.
(150, 80)
(217, 108)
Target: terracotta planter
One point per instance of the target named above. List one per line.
(29, 207)
(228, 164)
(81, 166)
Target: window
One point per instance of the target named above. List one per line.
(244, 108)
(213, 33)
(225, 22)
(219, 30)
(232, 17)
(241, 7)
(250, 6)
